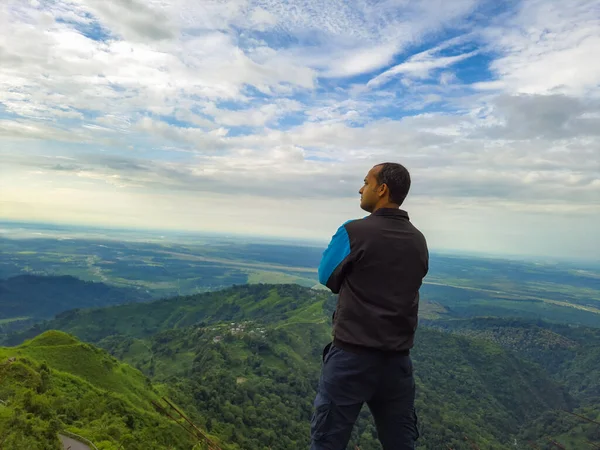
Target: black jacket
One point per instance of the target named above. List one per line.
(377, 265)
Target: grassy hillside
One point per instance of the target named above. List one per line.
(38, 297)
(249, 379)
(569, 354)
(55, 383)
(269, 303)
(245, 362)
(284, 303)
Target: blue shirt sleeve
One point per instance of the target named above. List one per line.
(334, 254)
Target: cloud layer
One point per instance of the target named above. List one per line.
(287, 103)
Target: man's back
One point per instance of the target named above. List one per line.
(379, 279)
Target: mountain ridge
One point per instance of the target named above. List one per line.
(244, 363)
(56, 384)
(41, 297)
(226, 355)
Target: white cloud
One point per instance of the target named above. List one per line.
(447, 78)
(362, 60)
(206, 141)
(188, 101)
(548, 116)
(32, 130)
(419, 66)
(132, 19)
(262, 19)
(254, 117)
(58, 67)
(549, 48)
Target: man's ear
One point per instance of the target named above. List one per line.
(383, 188)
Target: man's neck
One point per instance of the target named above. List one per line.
(387, 205)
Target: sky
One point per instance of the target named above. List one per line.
(263, 117)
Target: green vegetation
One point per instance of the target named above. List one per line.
(569, 430)
(496, 360)
(463, 287)
(265, 302)
(163, 269)
(269, 277)
(465, 302)
(43, 297)
(13, 319)
(244, 363)
(55, 383)
(569, 354)
(253, 384)
(13, 324)
(269, 303)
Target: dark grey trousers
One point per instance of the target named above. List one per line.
(348, 380)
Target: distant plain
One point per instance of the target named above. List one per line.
(162, 265)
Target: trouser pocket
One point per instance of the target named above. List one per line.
(326, 350)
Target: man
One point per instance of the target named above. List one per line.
(377, 265)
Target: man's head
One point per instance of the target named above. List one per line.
(386, 186)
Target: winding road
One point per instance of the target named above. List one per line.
(71, 444)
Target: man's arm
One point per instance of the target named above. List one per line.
(335, 260)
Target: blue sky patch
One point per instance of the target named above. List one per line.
(93, 30)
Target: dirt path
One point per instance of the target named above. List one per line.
(71, 444)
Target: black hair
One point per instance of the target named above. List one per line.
(397, 179)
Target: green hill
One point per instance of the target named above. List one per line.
(55, 383)
(568, 354)
(41, 297)
(268, 303)
(254, 384)
(466, 387)
(244, 363)
(571, 354)
(287, 303)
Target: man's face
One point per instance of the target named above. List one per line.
(368, 193)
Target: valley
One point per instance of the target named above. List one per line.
(243, 362)
(232, 332)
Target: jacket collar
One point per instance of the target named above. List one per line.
(394, 212)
